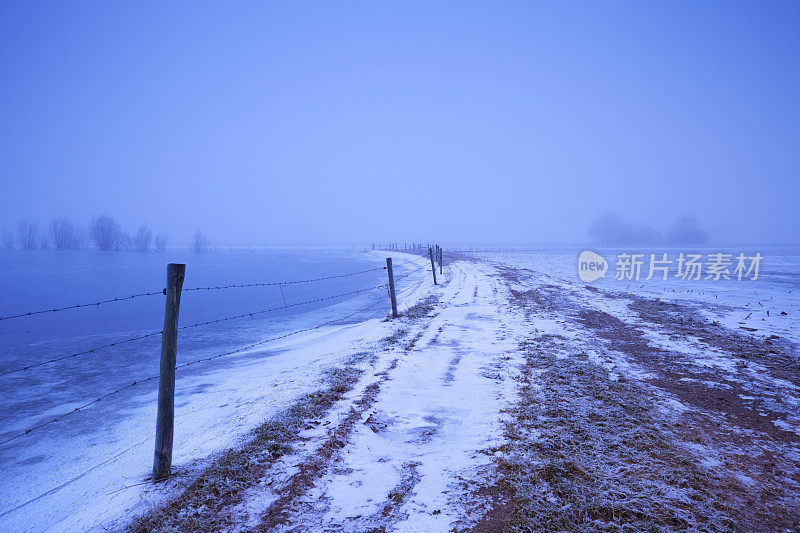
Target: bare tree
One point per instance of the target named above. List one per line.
(199, 242)
(44, 243)
(65, 235)
(161, 242)
(143, 238)
(106, 233)
(28, 233)
(8, 240)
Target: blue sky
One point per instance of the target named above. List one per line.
(448, 121)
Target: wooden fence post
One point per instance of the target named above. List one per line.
(391, 287)
(162, 461)
(433, 266)
(441, 267)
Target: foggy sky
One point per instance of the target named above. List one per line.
(445, 121)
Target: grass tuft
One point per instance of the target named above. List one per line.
(588, 453)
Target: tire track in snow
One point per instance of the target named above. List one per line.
(279, 513)
(412, 452)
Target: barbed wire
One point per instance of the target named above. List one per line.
(183, 365)
(77, 306)
(285, 306)
(291, 333)
(195, 325)
(85, 352)
(280, 283)
(80, 408)
(151, 437)
(204, 359)
(209, 288)
(77, 476)
(283, 283)
(143, 441)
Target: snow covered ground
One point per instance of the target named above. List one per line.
(509, 394)
(413, 444)
(429, 423)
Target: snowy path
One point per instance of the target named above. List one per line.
(417, 444)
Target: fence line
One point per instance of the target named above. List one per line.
(297, 304)
(198, 324)
(143, 441)
(77, 306)
(239, 350)
(285, 306)
(210, 288)
(184, 365)
(278, 283)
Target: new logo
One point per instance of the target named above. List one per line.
(591, 266)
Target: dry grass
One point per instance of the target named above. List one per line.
(208, 503)
(588, 453)
(422, 308)
(681, 321)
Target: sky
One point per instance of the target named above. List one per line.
(339, 122)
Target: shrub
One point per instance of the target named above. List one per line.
(28, 233)
(143, 238)
(65, 235)
(106, 233)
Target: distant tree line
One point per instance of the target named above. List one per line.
(610, 229)
(103, 231)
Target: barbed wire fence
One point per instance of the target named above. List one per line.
(175, 367)
(79, 306)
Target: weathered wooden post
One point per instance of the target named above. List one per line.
(165, 421)
(391, 287)
(441, 267)
(433, 266)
